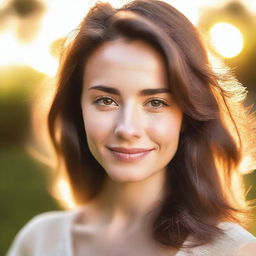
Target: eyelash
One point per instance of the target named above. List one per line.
(99, 101)
(162, 102)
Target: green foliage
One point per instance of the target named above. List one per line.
(17, 85)
(18, 82)
(23, 181)
(23, 189)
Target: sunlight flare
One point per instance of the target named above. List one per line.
(227, 39)
(64, 194)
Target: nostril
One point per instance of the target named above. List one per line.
(128, 124)
(127, 130)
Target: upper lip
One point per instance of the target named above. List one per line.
(129, 150)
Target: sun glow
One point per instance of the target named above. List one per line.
(54, 25)
(227, 39)
(61, 18)
(64, 195)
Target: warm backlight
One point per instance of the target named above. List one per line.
(227, 39)
(63, 194)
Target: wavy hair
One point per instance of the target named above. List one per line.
(203, 178)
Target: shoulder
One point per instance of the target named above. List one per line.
(244, 241)
(55, 221)
(236, 233)
(42, 231)
(234, 240)
(248, 249)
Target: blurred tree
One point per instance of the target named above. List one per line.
(16, 89)
(28, 15)
(26, 7)
(23, 180)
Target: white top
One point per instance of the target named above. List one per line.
(49, 234)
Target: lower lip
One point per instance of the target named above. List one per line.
(130, 157)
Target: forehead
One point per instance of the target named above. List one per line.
(122, 59)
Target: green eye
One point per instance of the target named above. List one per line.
(157, 103)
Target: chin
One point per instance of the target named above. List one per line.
(129, 175)
(126, 178)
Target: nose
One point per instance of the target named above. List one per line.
(129, 123)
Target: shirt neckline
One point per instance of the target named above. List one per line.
(67, 245)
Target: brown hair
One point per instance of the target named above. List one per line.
(201, 175)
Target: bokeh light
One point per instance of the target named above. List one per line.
(60, 19)
(30, 46)
(227, 39)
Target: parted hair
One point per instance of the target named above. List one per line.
(203, 180)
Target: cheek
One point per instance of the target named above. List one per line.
(165, 129)
(97, 127)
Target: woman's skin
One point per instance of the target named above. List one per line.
(132, 124)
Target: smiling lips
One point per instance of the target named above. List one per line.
(129, 154)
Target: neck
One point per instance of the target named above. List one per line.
(131, 202)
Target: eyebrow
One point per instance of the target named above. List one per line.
(145, 92)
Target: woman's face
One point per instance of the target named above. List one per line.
(131, 120)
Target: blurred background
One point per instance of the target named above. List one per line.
(32, 33)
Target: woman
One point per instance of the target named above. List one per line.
(150, 141)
